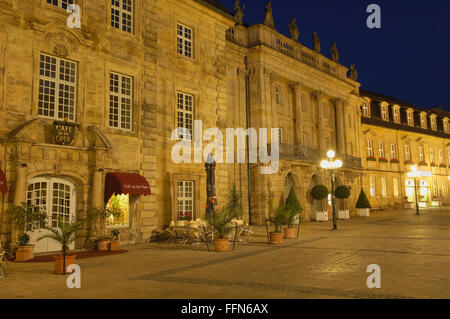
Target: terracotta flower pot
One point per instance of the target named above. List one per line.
(24, 253)
(58, 269)
(103, 244)
(276, 238)
(222, 245)
(289, 233)
(115, 245)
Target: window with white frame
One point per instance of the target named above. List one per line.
(432, 156)
(441, 157)
(444, 188)
(407, 153)
(369, 148)
(435, 188)
(393, 151)
(185, 41)
(445, 123)
(277, 94)
(381, 149)
(421, 154)
(383, 187)
(372, 182)
(122, 15)
(409, 117)
(185, 115)
(396, 114)
(57, 88)
(120, 101)
(365, 109)
(395, 186)
(64, 4)
(423, 120)
(433, 123)
(186, 200)
(384, 113)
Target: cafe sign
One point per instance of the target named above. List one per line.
(64, 133)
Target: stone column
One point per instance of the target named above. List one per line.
(296, 88)
(97, 197)
(19, 195)
(340, 136)
(317, 97)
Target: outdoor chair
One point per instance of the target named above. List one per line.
(192, 236)
(4, 255)
(172, 236)
(180, 233)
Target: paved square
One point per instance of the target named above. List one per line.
(412, 251)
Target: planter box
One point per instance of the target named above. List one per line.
(321, 216)
(115, 245)
(104, 244)
(24, 253)
(364, 212)
(59, 262)
(289, 233)
(276, 238)
(343, 214)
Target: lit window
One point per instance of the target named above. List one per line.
(381, 149)
(185, 115)
(423, 121)
(122, 15)
(120, 101)
(384, 114)
(433, 123)
(120, 204)
(396, 112)
(185, 200)
(184, 41)
(61, 3)
(395, 185)
(444, 188)
(57, 88)
(435, 188)
(445, 125)
(421, 154)
(372, 183)
(432, 155)
(365, 109)
(277, 94)
(393, 151)
(441, 157)
(410, 117)
(369, 148)
(383, 187)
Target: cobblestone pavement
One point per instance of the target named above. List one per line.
(412, 251)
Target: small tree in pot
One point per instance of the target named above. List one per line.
(115, 242)
(342, 192)
(234, 202)
(294, 210)
(64, 235)
(319, 193)
(363, 204)
(20, 217)
(220, 222)
(101, 215)
(277, 219)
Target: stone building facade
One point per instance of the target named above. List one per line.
(136, 71)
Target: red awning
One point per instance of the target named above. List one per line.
(3, 185)
(125, 183)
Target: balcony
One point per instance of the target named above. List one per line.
(314, 156)
(262, 35)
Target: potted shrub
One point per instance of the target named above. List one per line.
(64, 235)
(20, 217)
(363, 205)
(277, 219)
(319, 193)
(291, 214)
(115, 242)
(234, 202)
(220, 222)
(101, 215)
(342, 192)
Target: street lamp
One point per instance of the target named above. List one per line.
(415, 174)
(331, 164)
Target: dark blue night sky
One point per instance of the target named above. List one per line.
(408, 58)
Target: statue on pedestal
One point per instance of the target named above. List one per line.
(293, 28)
(316, 42)
(353, 73)
(334, 52)
(238, 13)
(268, 19)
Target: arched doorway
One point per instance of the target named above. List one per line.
(316, 205)
(57, 197)
(289, 183)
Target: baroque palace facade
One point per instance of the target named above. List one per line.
(87, 114)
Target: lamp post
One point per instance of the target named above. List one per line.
(331, 164)
(415, 174)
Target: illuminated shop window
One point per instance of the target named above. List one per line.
(121, 204)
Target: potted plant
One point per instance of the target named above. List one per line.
(64, 235)
(342, 192)
(234, 202)
(319, 193)
(291, 214)
(277, 219)
(102, 215)
(21, 216)
(115, 242)
(363, 205)
(184, 218)
(220, 222)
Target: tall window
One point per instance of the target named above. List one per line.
(384, 114)
(372, 182)
(383, 187)
(120, 97)
(444, 188)
(423, 120)
(433, 123)
(369, 148)
(184, 41)
(409, 115)
(122, 15)
(185, 114)
(381, 149)
(441, 157)
(57, 88)
(185, 199)
(445, 125)
(61, 3)
(365, 109)
(277, 94)
(421, 154)
(432, 156)
(407, 153)
(396, 112)
(393, 151)
(435, 188)
(395, 186)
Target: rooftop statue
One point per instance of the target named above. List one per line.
(238, 13)
(316, 42)
(293, 28)
(268, 19)
(353, 73)
(334, 52)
